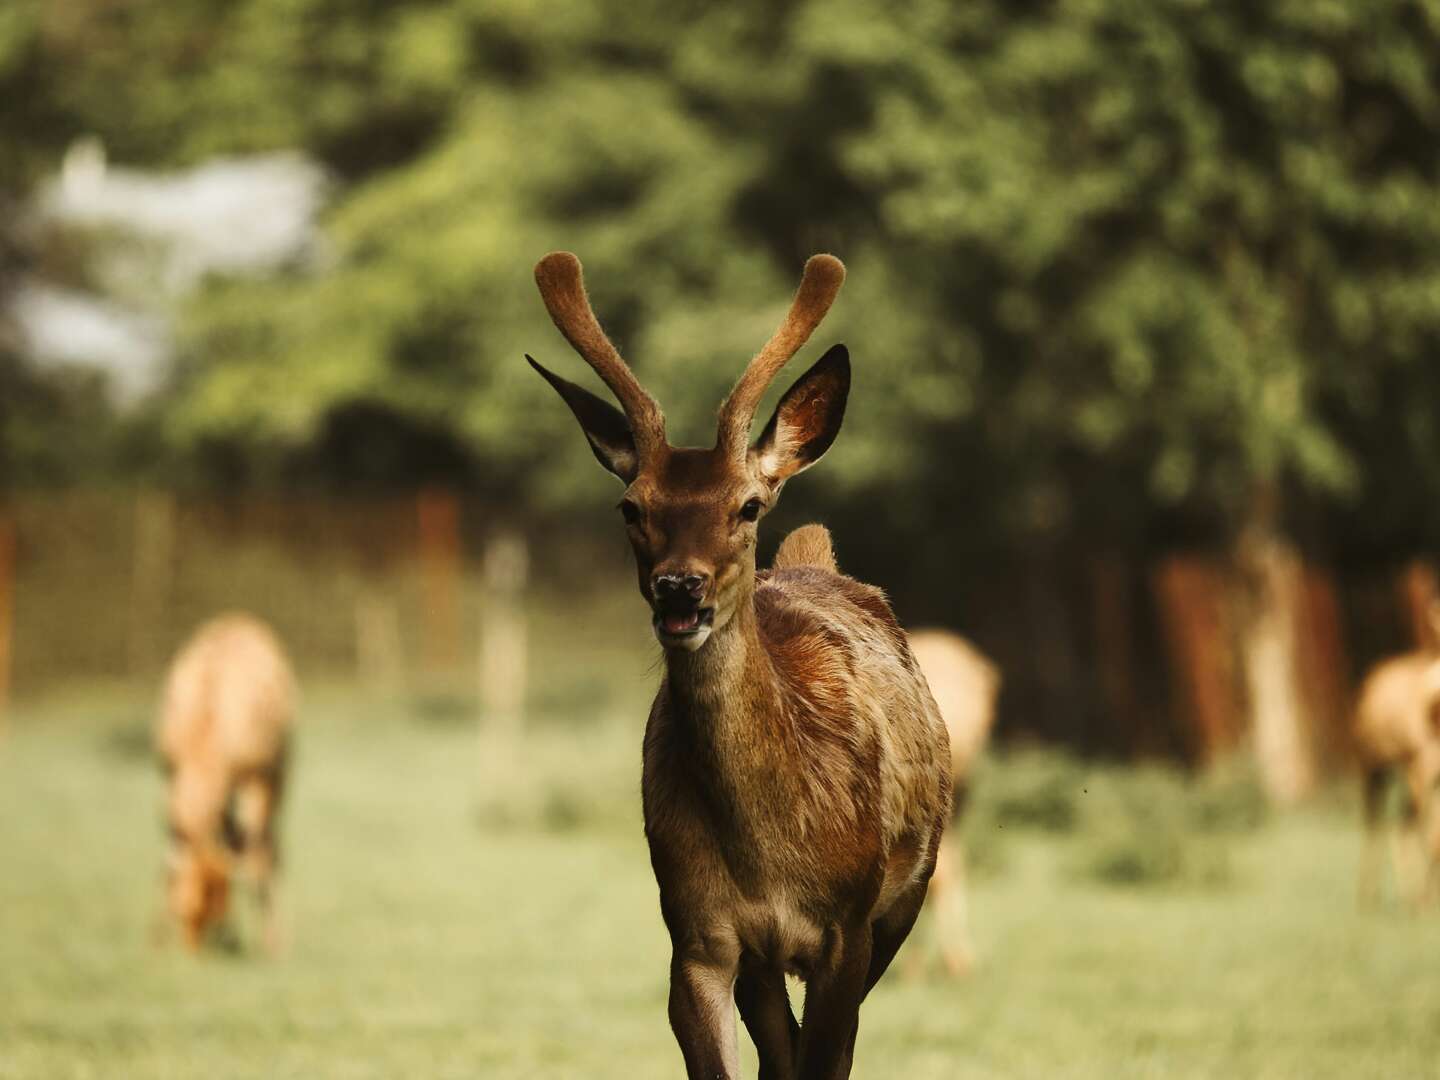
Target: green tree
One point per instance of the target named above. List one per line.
(1118, 269)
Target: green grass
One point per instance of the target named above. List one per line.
(466, 910)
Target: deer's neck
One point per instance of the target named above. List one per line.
(726, 696)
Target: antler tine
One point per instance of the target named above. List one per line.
(824, 274)
(562, 287)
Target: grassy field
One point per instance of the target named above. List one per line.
(459, 909)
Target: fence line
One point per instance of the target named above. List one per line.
(429, 590)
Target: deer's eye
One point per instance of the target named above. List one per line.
(630, 512)
(751, 510)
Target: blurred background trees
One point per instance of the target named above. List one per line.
(1126, 278)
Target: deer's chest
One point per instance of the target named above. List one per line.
(759, 883)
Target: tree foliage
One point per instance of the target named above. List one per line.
(1116, 267)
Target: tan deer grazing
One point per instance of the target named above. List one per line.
(965, 685)
(224, 724)
(1397, 729)
(796, 772)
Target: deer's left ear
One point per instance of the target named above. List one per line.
(604, 425)
(806, 420)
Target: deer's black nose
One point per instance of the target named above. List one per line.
(673, 587)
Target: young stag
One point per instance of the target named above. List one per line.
(796, 779)
(224, 724)
(1397, 729)
(965, 685)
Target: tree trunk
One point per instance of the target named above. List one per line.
(1323, 667)
(1191, 595)
(1279, 722)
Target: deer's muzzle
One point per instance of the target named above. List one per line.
(681, 619)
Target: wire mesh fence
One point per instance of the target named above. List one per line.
(432, 594)
(422, 592)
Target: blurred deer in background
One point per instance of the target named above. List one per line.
(965, 685)
(224, 724)
(1397, 729)
(796, 780)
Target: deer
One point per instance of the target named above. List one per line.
(965, 685)
(222, 736)
(795, 769)
(1397, 730)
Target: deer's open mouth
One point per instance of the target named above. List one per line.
(683, 625)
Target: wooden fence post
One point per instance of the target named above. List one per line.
(378, 649)
(503, 659)
(438, 515)
(153, 568)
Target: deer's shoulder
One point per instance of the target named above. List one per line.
(811, 602)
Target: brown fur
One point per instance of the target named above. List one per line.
(222, 734)
(1397, 729)
(796, 780)
(965, 685)
(808, 545)
(794, 783)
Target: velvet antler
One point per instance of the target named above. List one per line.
(824, 274)
(562, 287)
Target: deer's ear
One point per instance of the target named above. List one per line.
(604, 425)
(806, 420)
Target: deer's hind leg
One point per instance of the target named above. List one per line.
(1412, 848)
(765, 1009)
(1373, 786)
(950, 900)
(892, 928)
(834, 990)
(890, 931)
(1426, 782)
(257, 800)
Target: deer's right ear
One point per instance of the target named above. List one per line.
(807, 419)
(604, 425)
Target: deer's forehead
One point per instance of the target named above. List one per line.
(691, 480)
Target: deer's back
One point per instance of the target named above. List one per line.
(1395, 712)
(228, 699)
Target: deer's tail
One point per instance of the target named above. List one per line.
(808, 545)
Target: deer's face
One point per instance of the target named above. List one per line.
(198, 891)
(692, 521)
(691, 514)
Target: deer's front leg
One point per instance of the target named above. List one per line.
(702, 1009)
(832, 1004)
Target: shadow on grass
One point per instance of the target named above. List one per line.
(128, 737)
